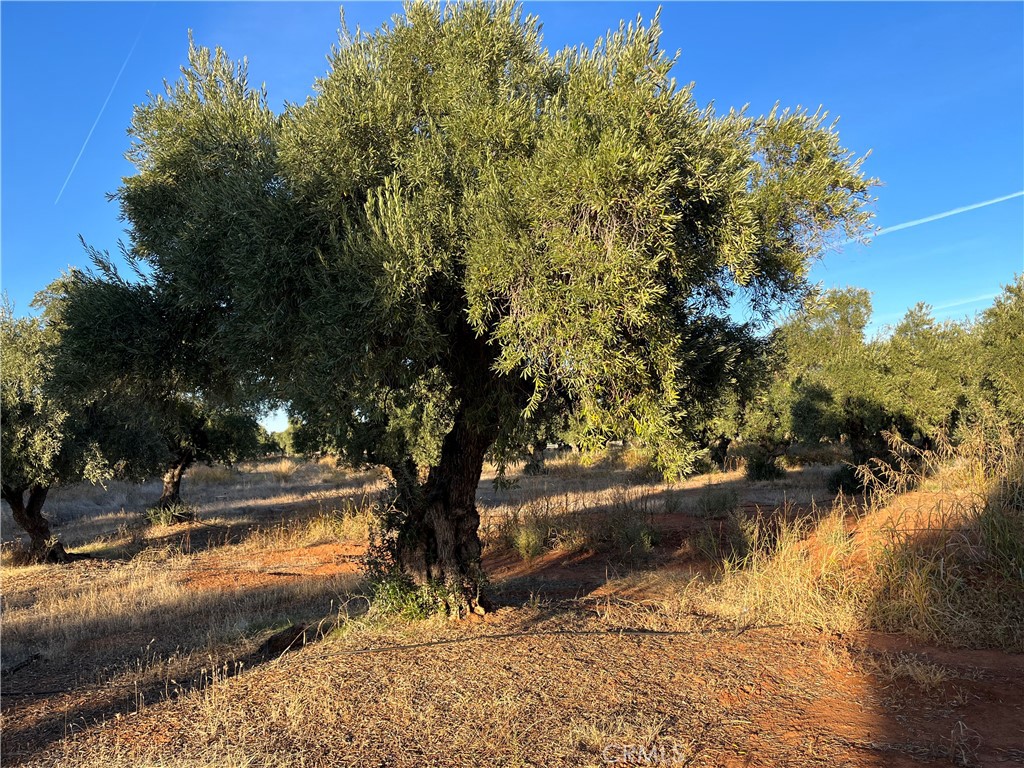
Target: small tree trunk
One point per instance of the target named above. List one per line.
(29, 515)
(719, 450)
(864, 446)
(535, 460)
(171, 495)
(438, 540)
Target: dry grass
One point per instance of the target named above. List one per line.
(349, 522)
(944, 563)
(897, 667)
(282, 470)
(213, 474)
(230, 503)
(404, 707)
(530, 687)
(772, 575)
(81, 611)
(703, 663)
(618, 521)
(144, 593)
(951, 566)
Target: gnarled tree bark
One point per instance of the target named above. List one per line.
(439, 540)
(171, 495)
(28, 513)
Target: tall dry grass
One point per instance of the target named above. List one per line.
(956, 574)
(619, 521)
(145, 603)
(937, 553)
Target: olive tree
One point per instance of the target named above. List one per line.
(1000, 333)
(917, 379)
(51, 438)
(461, 228)
(833, 382)
(930, 372)
(125, 337)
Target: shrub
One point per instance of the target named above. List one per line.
(762, 465)
(394, 594)
(716, 502)
(171, 515)
(730, 540)
(530, 539)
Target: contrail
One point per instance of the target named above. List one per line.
(97, 120)
(945, 214)
(965, 302)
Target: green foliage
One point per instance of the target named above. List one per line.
(763, 465)
(396, 595)
(170, 514)
(927, 369)
(1001, 341)
(922, 380)
(49, 435)
(33, 425)
(127, 338)
(459, 222)
(833, 384)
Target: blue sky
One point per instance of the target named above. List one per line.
(935, 91)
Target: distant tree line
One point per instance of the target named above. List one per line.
(823, 381)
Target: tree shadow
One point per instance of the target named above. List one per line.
(630, 530)
(109, 670)
(884, 720)
(919, 701)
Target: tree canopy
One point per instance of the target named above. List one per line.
(51, 437)
(461, 231)
(1001, 331)
(920, 379)
(122, 337)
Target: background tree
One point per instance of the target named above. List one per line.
(1000, 333)
(918, 380)
(831, 384)
(52, 438)
(928, 370)
(125, 338)
(459, 226)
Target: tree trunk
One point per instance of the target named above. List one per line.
(29, 515)
(171, 495)
(438, 540)
(437, 525)
(719, 450)
(535, 460)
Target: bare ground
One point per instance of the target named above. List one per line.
(151, 654)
